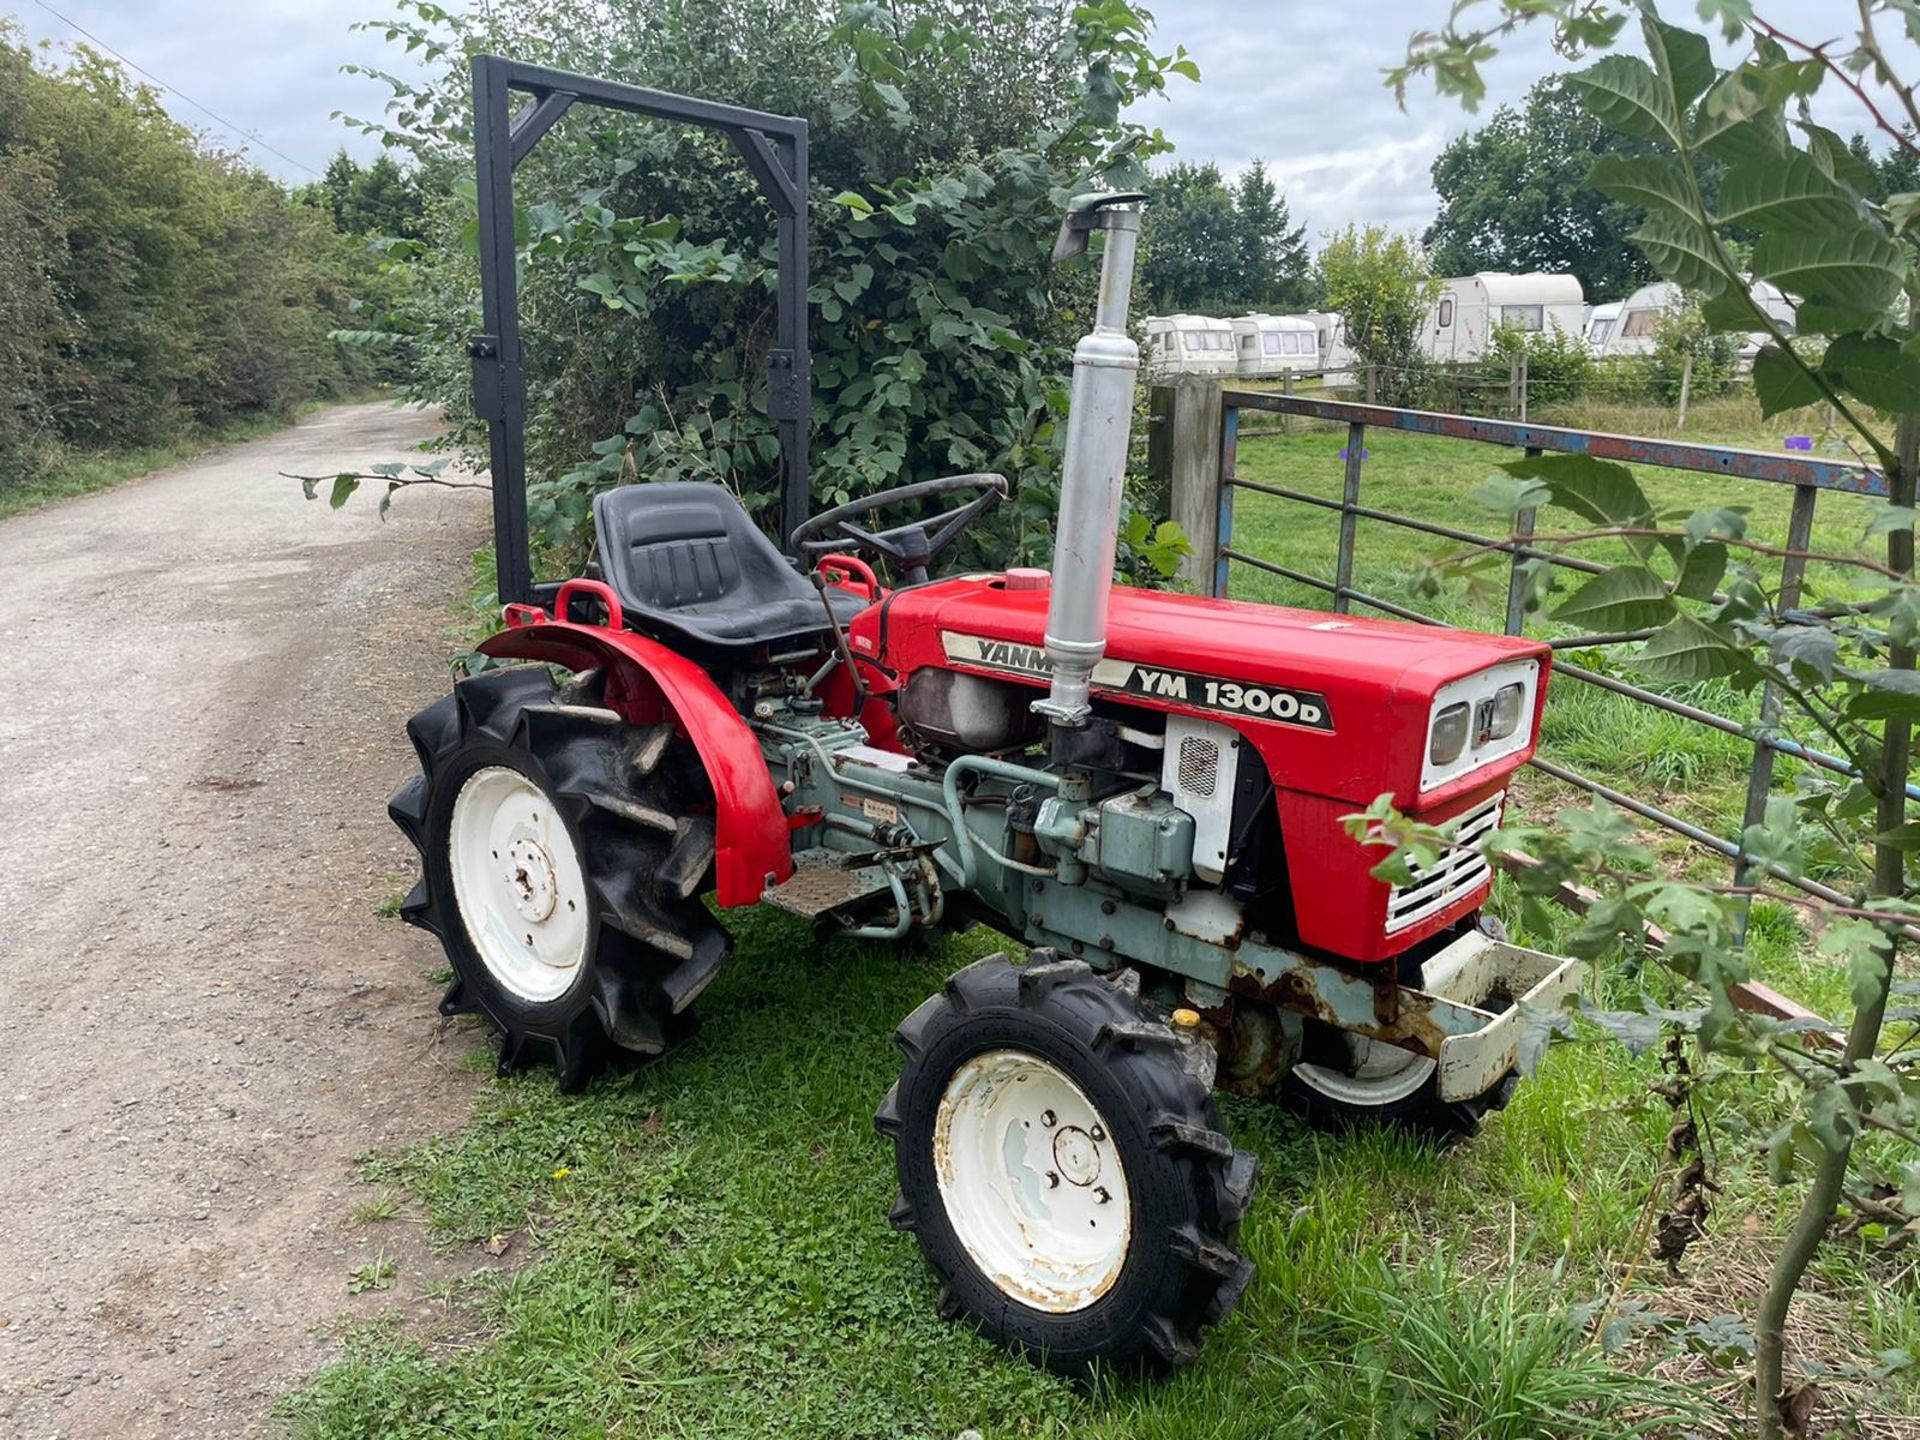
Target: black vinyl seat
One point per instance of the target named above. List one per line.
(683, 557)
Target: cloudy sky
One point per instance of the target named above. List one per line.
(1294, 81)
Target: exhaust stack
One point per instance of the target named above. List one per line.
(1093, 474)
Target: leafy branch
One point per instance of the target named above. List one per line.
(393, 474)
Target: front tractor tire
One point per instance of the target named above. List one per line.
(1062, 1165)
(1356, 1082)
(562, 853)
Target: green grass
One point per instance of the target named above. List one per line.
(699, 1249)
(712, 1257)
(83, 471)
(699, 1246)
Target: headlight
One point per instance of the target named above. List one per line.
(1449, 735)
(1500, 716)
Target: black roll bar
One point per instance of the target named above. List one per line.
(774, 148)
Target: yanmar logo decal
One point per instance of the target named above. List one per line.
(1200, 692)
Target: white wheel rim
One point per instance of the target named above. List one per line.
(518, 884)
(1378, 1075)
(1032, 1181)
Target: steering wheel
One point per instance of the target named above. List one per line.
(911, 546)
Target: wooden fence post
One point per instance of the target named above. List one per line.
(1686, 388)
(1184, 452)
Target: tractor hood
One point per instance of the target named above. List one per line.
(1337, 705)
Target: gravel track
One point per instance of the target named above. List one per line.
(205, 1018)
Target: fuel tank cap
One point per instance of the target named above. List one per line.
(1027, 577)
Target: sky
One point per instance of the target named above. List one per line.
(1296, 82)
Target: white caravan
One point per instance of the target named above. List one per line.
(1190, 345)
(1470, 306)
(1267, 346)
(1640, 315)
(1335, 353)
(1600, 325)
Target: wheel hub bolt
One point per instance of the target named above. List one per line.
(530, 880)
(1097, 1135)
(1046, 1118)
(1100, 1194)
(1053, 1178)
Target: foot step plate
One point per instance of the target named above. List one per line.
(823, 881)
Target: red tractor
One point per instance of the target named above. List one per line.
(1145, 789)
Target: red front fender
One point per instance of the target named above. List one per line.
(751, 845)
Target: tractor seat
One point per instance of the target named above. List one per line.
(684, 558)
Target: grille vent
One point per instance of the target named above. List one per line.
(1456, 874)
(1199, 764)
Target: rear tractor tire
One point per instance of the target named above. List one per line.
(562, 853)
(1063, 1167)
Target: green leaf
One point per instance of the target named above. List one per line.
(1682, 59)
(1627, 597)
(1729, 126)
(1833, 156)
(1651, 182)
(1856, 267)
(1508, 495)
(1892, 517)
(1812, 648)
(1624, 94)
(1732, 311)
(1688, 650)
(343, 488)
(1815, 317)
(1635, 1029)
(1780, 383)
(1602, 491)
(1887, 693)
(1877, 370)
(1732, 15)
(1797, 194)
(1186, 68)
(1700, 571)
(1682, 250)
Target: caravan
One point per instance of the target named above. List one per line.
(1600, 323)
(1267, 346)
(1470, 306)
(1335, 354)
(1190, 345)
(1640, 315)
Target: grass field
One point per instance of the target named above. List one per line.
(698, 1248)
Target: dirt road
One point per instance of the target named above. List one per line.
(204, 1017)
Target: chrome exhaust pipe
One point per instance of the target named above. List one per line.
(1094, 471)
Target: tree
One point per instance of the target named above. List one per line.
(1514, 196)
(150, 284)
(1220, 249)
(1276, 264)
(1194, 248)
(945, 137)
(377, 200)
(1837, 662)
(1381, 283)
(1896, 173)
